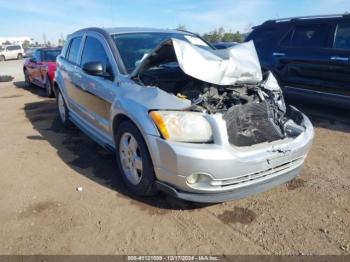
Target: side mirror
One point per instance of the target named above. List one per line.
(96, 69)
(32, 60)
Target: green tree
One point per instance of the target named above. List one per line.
(228, 37)
(25, 44)
(7, 42)
(238, 37)
(215, 35)
(61, 42)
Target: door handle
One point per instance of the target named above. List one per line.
(339, 58)
(278, 54)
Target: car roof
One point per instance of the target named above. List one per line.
(125, 30)
(121, 30)
(314, 18)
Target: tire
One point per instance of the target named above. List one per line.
(19, 56)
(48, 88)
(129, 155)
(62, 110)
(26, 79)
(2, 58)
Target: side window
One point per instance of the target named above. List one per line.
(261, 35)
(94, 52)
(308, 36)
(9, 48)
(73, 51)
(342, 37)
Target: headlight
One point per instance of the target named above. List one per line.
(182, 126)
(271, 83)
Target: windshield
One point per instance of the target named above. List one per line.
(50, 55)
(134, 47)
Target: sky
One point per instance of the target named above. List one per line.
(58, 18)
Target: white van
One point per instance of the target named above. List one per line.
(11, 52)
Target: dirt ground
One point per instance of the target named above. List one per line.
(42, 164)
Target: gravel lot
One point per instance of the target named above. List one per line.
(42, 164)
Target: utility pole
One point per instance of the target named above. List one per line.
(44, 38)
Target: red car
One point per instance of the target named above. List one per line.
(40, 69)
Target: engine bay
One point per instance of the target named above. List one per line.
(254, 113)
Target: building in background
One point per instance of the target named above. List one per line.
(15, 40)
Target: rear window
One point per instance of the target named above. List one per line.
(73, 51)
(50, 55)
(308, 36)
(342, 37)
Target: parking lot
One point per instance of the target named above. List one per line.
(43, 164)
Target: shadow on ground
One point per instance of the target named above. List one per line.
(325, 116)
(36, 90)
(89, 159)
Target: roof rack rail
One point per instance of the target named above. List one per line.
(287, 19)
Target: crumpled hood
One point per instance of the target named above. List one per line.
(237, 64)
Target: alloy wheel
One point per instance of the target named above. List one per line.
(130, 158)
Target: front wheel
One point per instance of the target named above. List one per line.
(2, 58)
(62, 110)
(134, 160)
(19, 56)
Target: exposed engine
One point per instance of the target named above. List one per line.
(253, 113)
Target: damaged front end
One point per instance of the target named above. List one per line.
(227, 82)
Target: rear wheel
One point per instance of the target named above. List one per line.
(2, 58)
(19, 56)
(134, 160)
(26, 79)
(62, 110)
(48, 88)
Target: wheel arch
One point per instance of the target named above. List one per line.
(118, 119)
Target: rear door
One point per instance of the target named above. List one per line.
(69, 70)
(302, 58)
(97, 92)
(339, 61)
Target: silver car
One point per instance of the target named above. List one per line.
(201, 124)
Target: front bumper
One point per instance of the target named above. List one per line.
(230, 195)
(232, 172)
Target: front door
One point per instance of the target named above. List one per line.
(98, 92)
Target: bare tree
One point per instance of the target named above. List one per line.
(181, 27)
